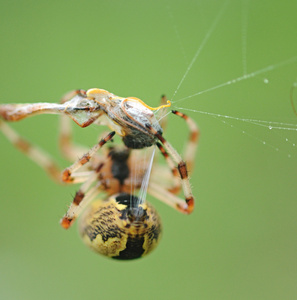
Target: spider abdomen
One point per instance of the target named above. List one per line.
(120, 227)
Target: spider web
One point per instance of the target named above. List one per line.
(277, 132)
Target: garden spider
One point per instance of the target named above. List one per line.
(129, 117)
(122, 225)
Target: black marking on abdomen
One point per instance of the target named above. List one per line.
(134, 248)
(127, 199)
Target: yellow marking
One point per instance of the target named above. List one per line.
(151, 108)
(92, 92)
(95, 91)
(120, 206)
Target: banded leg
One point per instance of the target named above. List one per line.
(80, 201)
(81, 198)
(176, 178)
(191, 146)
(182, 168)
(168, 198)
(37, 155)
(67, 174)
(189, 156)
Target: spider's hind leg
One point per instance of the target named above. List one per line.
(68, 173)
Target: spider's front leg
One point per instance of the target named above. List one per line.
(82, 197)
(82, 110)
(193, 140)
(187, 207)
(182, 169)
(17, 112)
(67, 174)
(79, 108)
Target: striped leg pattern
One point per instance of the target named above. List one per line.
(37, 155)
(169, 152)
(82, 198)
(175, 175)
(192, 144)
(67, 174)
(79, 201)
(40, 157)
(182, 168)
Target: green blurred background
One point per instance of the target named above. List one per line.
(240, 243)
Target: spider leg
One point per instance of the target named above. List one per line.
(182, 168)
(37, 155)
(17, 112)
(191, 146)
(167, 197)
(80, 201)
(175, 175)
(189, 156)
(68, 149)
(82, 198)
(67, 174)
(82, 110)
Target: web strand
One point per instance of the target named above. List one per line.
(206, 38)
(170, 13)
(244, 77)
(262, 123)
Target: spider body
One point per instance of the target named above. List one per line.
(130, 118)
(120, 224)
(120, 227)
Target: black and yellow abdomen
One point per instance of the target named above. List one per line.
(121, 227)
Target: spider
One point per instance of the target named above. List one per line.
(130, 118)
(121, 225)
